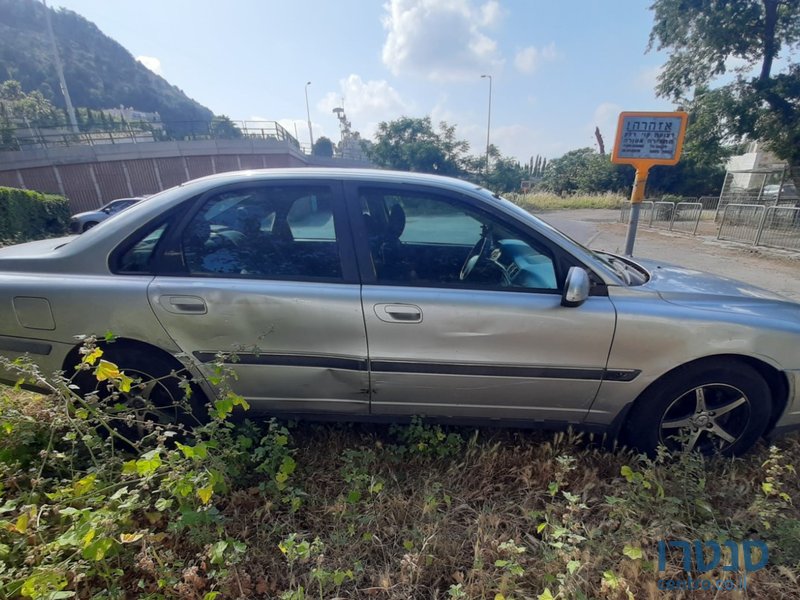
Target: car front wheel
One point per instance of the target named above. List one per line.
(712, 408)
(157, 396)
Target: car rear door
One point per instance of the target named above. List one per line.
(266, 271)
(481, 347)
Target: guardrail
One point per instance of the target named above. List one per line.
(143, 132)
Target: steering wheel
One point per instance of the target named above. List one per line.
(479, 251)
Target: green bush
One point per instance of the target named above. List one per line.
(26, 215)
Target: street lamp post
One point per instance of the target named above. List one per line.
(308, 116)
(488, 121)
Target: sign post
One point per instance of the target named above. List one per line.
(644, 140)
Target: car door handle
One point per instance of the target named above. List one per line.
(192, 305)
(398, 313)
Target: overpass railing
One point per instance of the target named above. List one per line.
(30, 138)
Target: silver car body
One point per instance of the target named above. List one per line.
(361, 349)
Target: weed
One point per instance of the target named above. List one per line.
(276, 510)
(421, 438)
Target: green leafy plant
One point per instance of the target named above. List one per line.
(423, 438)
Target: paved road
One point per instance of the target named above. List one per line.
(581, 225)
(777, 271)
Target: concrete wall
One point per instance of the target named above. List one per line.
(91, 176)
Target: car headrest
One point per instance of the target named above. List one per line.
(396, 222)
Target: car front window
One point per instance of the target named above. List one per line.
(430, 240)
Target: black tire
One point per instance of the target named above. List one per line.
(156, 396)
(715, 407)
(89, 225)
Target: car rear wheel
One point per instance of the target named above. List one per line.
(712, 408)
(158, 395)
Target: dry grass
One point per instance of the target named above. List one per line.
(425, 512)
(439, 526)
(543, 201)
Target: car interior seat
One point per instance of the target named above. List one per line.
(392, 252)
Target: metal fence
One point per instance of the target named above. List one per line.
(661, 214)
(683, 216)
(686, 217)
(709, 202)
(741, 222)
(780, 228)
(645, 213)
(765, 200)
(142, 132)
(753, 224)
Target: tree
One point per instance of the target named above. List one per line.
(323, 147)
(584, 170)
(30, 109)
(506, 175)
(222, 127)
(411, 144)
(705, 37)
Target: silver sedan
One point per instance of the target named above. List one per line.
(365, 294)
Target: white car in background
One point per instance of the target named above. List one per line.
(86, 220)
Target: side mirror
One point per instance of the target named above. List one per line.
(576, 287)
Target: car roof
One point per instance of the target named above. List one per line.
(327, 173)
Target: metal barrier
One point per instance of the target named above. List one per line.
(741, 222)
(780, 228)
(625, 211)
(754, 224)
(661, 214)
(709, 202)
(142, 132)
(645, 214)
(686, 217)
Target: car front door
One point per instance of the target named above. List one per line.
(266, 271)
(463, 312)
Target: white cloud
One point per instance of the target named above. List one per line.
(152, 63)
(440, 39)
(366, 103)
(519, 141)
(529, 59)
(491, 12)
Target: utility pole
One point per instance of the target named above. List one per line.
(488, 122)
(60, 70)
(308, 116)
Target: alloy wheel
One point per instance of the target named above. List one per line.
(708, 418)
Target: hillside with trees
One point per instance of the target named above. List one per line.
(99, 71)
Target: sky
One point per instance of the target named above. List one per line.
(558, 68)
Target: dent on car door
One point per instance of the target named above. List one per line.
(266, 271)
(463, 313)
